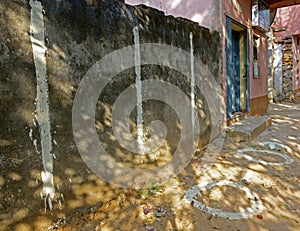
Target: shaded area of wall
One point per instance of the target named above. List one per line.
(259, 106)
(78, 35)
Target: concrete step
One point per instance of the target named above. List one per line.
(248, 128)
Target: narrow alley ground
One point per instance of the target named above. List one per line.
(250, 186)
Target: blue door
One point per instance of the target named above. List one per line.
(235, 78)
(232, 70)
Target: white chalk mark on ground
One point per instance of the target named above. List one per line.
(256, 205)
(287, 161)
(282, 122)
(273, 145)
(37, 32)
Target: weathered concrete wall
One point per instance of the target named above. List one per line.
(97, 33)
(77, 36)
(111, 26)
(277, 72)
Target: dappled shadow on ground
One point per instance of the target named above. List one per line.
(274, 185)
(82, 199)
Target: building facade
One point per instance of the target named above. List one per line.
(245, 55)
(285, 54)
(244, 48)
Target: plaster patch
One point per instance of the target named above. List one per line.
(37, 36)
(192, 85)
(139, 97)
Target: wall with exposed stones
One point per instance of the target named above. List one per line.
(79, 34)
(287, 68)
(286, 22)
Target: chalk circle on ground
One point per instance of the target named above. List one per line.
(282, 122)
(256, 205)
(275, 145)
(242, 153)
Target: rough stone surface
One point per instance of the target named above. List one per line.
(78, 34)
(287, 69)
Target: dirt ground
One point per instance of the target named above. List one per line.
(165, 207)
(83, 201)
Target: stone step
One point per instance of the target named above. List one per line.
(248, 128)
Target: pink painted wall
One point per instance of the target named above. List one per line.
(240, 11)
(288, 17)
(296, 62)
(205, 12)
(259, 87)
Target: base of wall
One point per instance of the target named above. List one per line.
(296, 96)
(296, 91)
(259, 106)
(237, 119)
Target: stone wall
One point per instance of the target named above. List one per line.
(79, 34)
(109, 28)
(287, 68)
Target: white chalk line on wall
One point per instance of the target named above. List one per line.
(37, 36)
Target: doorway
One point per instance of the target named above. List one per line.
(237, 69)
